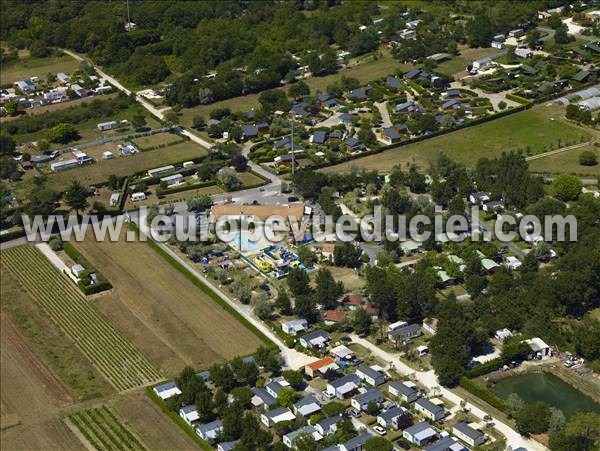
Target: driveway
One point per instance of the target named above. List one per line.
(385, 115)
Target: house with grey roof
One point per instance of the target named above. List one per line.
(274, 387)
(328, 425)
(307, 406)
(227, 446)
(288, 439)
(261, 397)
(343, 386)
(467, 434)
(315, 339)
(445, 444)
(392, 82)
(189, 414)
(294, 326)
(420, 434)
(391, 417)
(166, 390)
(357, 443)
(451, 104)
(362, 400)
(405, 333)
(405, 107)
(370, 375)
(275, 416)
(429, 409)
(209, 431)
(318, 137)
(359, 94)
(402, 391)
(249, 131)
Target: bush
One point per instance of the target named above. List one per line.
(55, 244)
(588, 158)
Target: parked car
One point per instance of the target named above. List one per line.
(379, 430)
(328, 395)
(402, 444)
(354, 413)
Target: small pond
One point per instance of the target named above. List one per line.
(548, 388)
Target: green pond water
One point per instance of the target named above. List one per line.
(548, 388)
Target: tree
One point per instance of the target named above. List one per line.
(138, 121)
(239, 162)
(62, 133)
(556, 421)
(228, 177)
(232, 422)
(366, 135)
(76, 197)
(305, 442)
(295, 378)
(298, 281)
(222, 376)
(287, 397)
(269, 358)
(533, 418)
(306, 256)
(588, 158)
(242, 395)
(581, 433)
(204, 406)
(378, 444)
(515, 404)
(566, 187)
(298, 90)
(502, 105)
(283, 303)
(479, 31)
(7, 145)
(170, 117)
(199, 203)
(263, 308)
(198, 122)
(304, 307)
(346, 254)
(361, 322)
(328, 291)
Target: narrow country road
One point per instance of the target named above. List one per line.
(556, 151)
(385, 114)
(429, 380)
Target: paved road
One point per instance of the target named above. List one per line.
(385, 114)
(429, 380)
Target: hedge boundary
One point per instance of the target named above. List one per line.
(103, 283)
(483, 393)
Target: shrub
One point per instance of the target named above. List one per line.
(588, 158)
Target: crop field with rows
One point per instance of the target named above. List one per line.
(114, 356)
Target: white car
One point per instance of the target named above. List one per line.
(328, 395)
(379, 430)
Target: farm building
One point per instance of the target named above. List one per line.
(103, 126)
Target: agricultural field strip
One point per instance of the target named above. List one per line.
(114, 356)
(104, 430)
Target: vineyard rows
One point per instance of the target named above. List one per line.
(113, 355)
(104, 431)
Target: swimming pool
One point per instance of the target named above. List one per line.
(246, 243)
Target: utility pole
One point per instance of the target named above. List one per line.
(293, 153)
(128, 17)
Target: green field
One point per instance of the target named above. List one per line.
(104, 431)
(27, 67)
(538, 129)
(365, 70)
(467, 56)
(111, 353)
(566, 162)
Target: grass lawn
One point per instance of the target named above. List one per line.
(348, 276)
(126, 165)
(248, 178)
(162, 312)
(460, 62)
(145, 142)
(28, 66)
(537, 128)
(368, 69)
(566, 162)
(185, 195)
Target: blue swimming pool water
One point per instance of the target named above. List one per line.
(247, 243)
